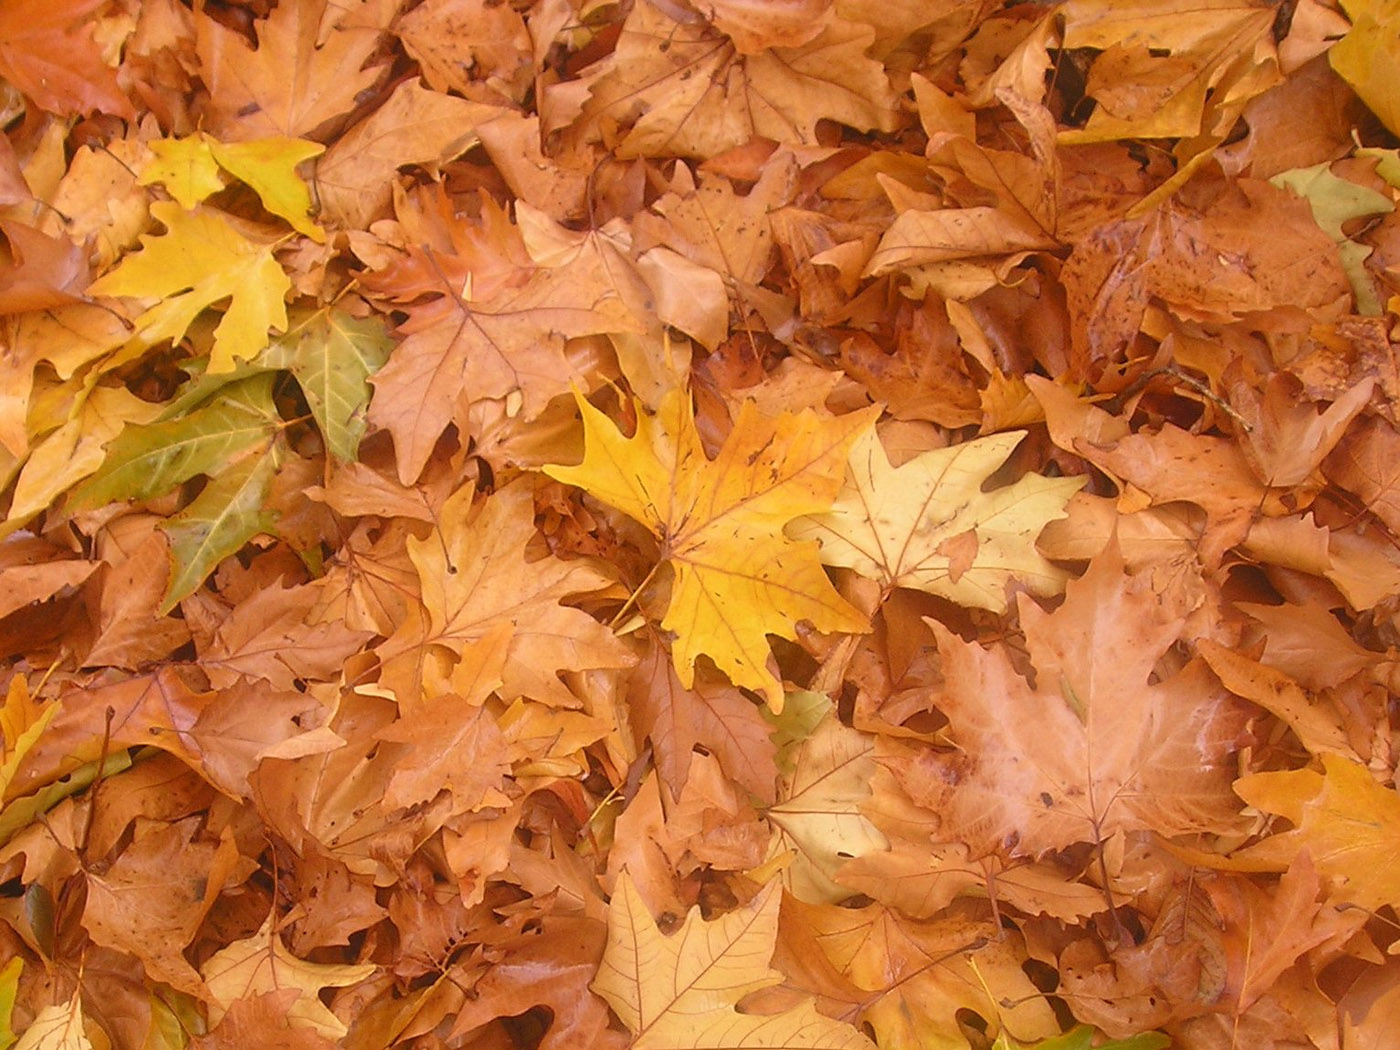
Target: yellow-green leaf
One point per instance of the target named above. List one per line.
(145, 461)
(681, 991)
(1334, 201)
(201, 260)
(928, 525)
(332, 355)
(223, 517)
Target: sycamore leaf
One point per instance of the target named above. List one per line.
(47, 51)
(681, 991)
(818, 809)
(200, 260)
(189, 170)
(474, 580)
(700, 96)
(902, 526)
(1334, 201)
(229, 512)
(720, 522)
(9, 988)
(269, 166)
(21, 723)
(414, 126)
(332, 355)
(261, 964)
(308, 67)
(1081, 1037)
(57, 1027)
(1368, 56)
(1095, 745)
(1347, 821)
(185, 167)
(456, 745)
(148, 460)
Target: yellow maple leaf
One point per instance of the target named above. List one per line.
(261, 963)
(200, 260)
(720, 522)
(681, 991)
(928, 525)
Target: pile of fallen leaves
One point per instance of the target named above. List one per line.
(699, 523)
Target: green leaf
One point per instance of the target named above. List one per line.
(9, 987)
(226, 515)
(332, 355)
(146, 461)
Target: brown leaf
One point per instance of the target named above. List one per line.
(295, 81)
(1092, 747)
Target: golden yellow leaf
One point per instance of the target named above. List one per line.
(1348, 822)
(681, 991)
(720, 523)
(200, 260)
(189, 170)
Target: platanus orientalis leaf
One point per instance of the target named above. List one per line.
(681, 991)
(930, 526)
(737, 577)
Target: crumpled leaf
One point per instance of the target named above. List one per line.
(201, 259)
(929, 524)
(681, 991)
(737, 578)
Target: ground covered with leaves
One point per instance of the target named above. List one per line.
(699, 523)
